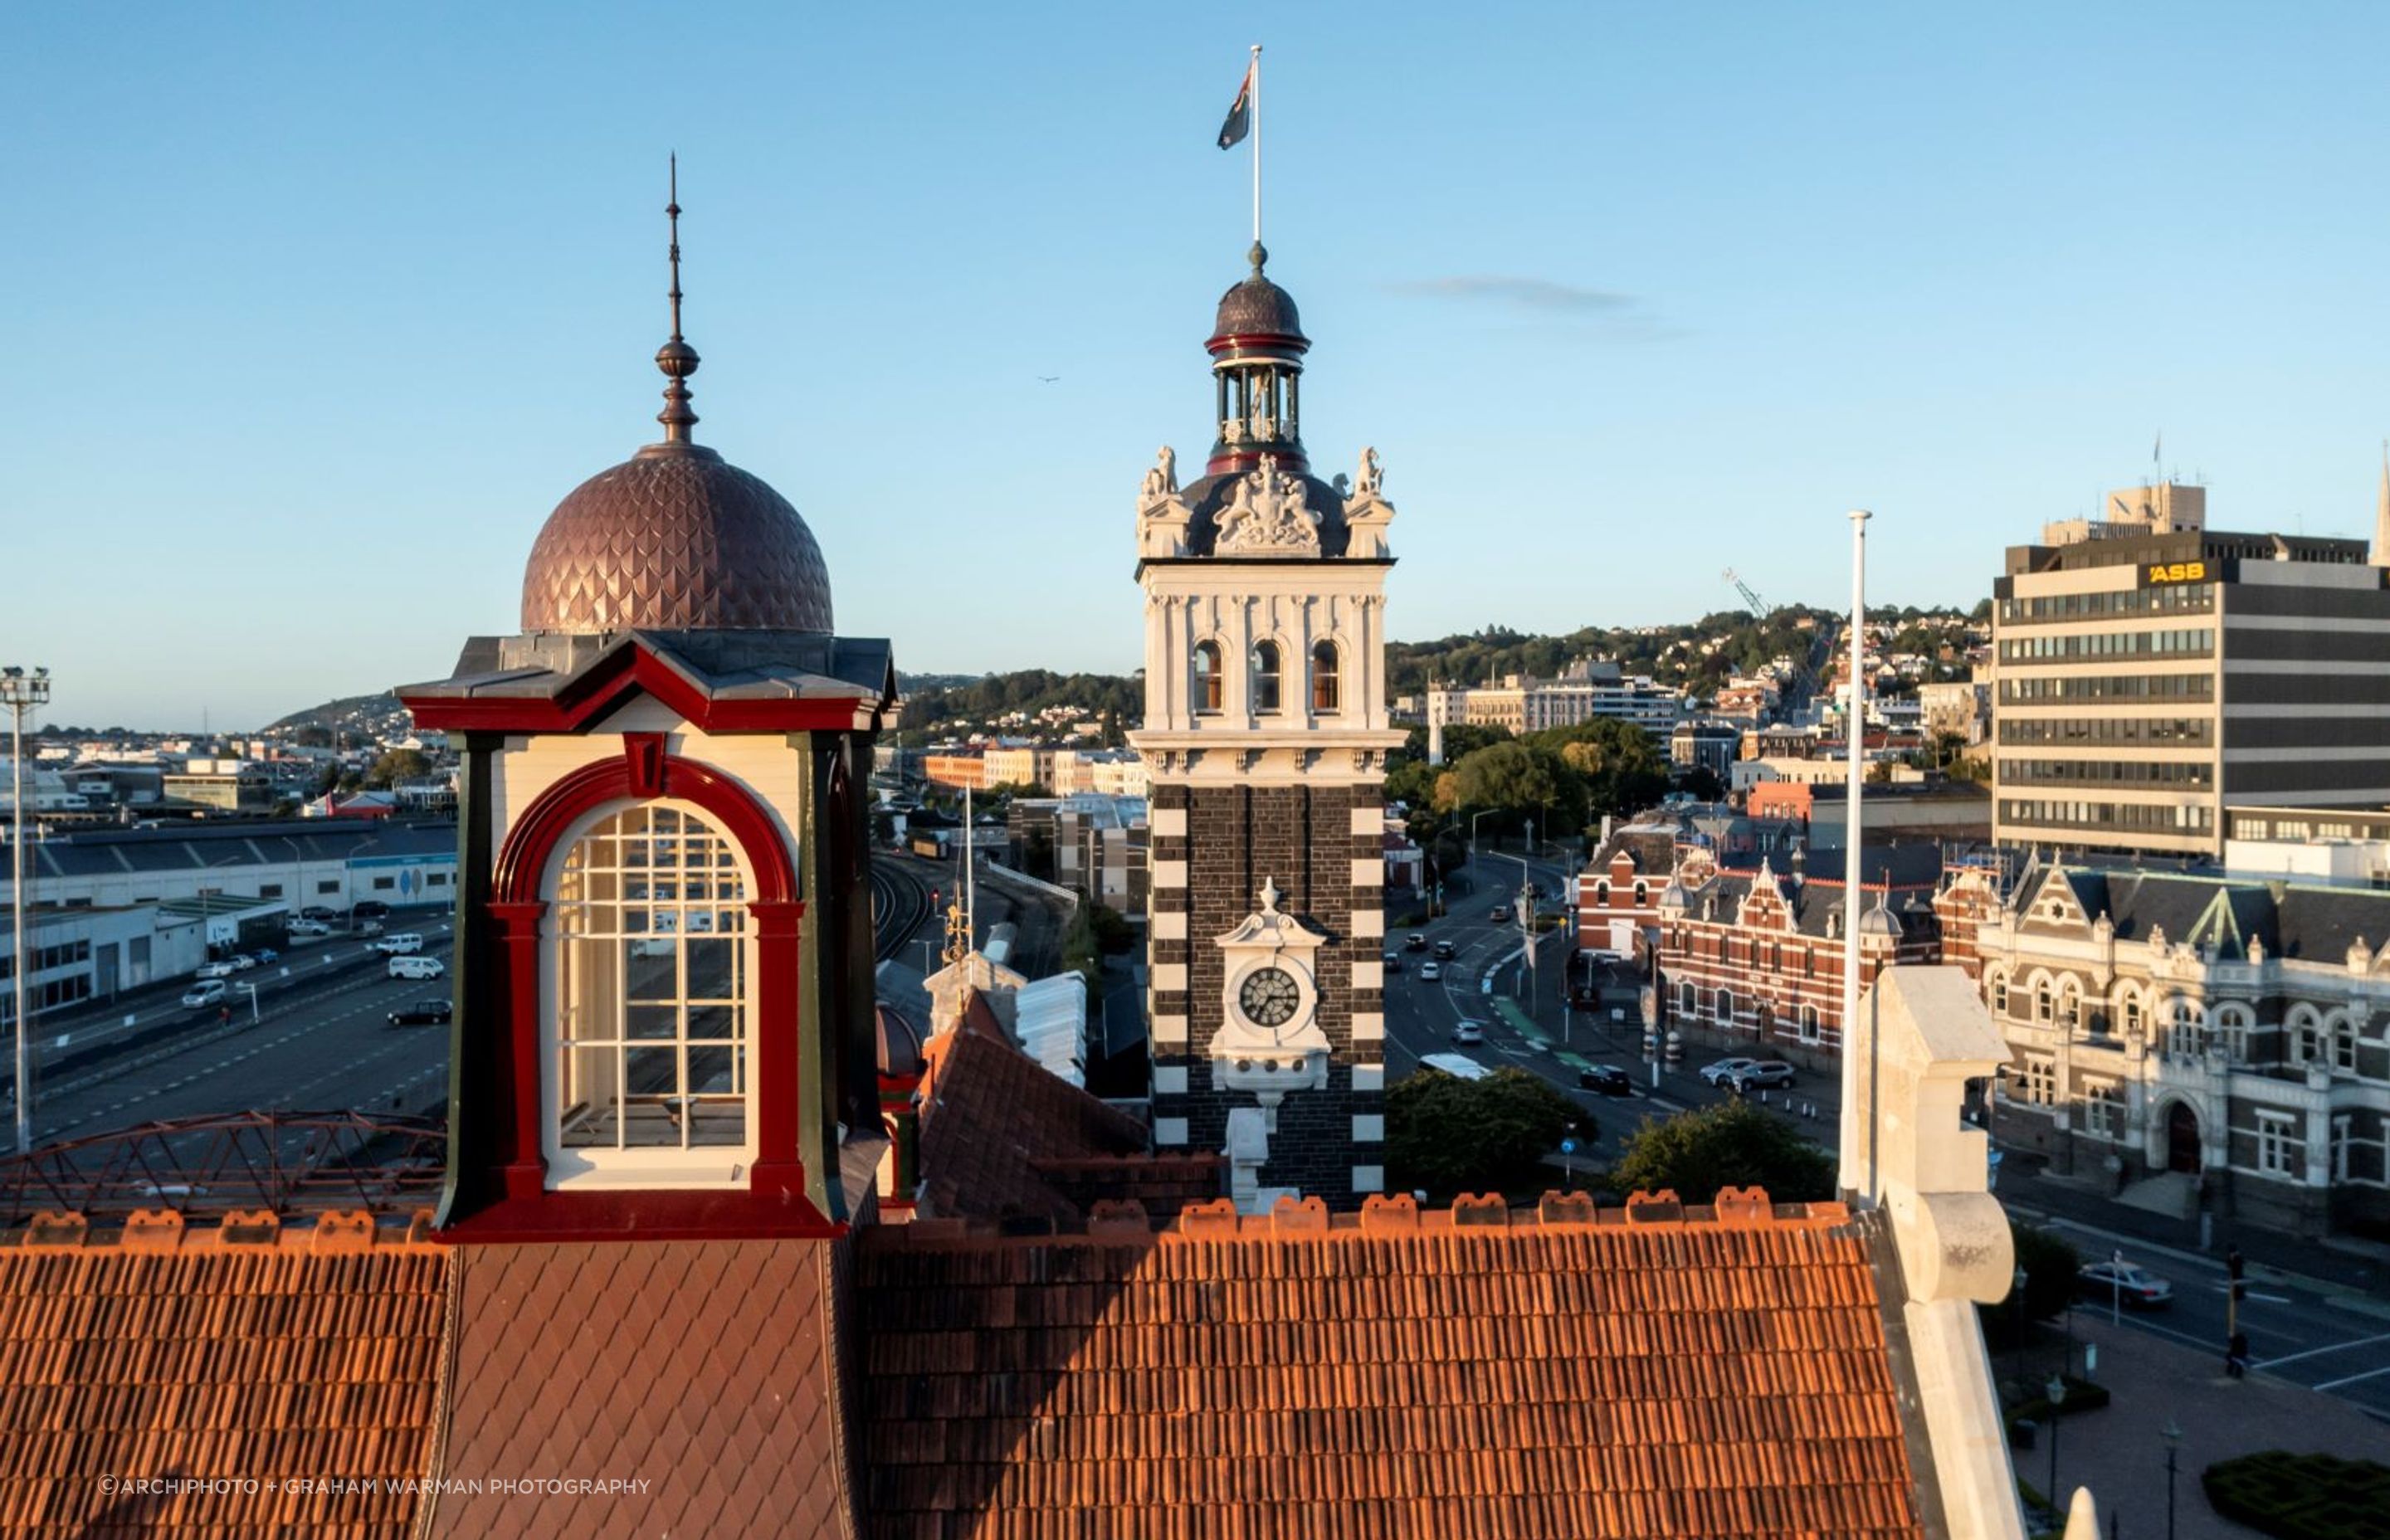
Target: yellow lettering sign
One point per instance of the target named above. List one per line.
(2177, 572)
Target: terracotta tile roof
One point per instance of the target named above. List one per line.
(1002, 1137)
(1702, 1372)
(708, 1369)
(146, 1356)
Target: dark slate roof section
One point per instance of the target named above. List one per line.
(1911, 865)
(230, 846)
(724, 665)
(2315, 923)
(1208, 497)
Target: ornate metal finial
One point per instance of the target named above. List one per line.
(1257, 256)
(677, 359)
(958, 934)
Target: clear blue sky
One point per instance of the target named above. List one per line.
(321, 308)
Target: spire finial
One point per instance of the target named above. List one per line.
(675, 358)
(1257, 256)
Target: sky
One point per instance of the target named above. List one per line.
(321, 309)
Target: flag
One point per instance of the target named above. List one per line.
(1241, 113)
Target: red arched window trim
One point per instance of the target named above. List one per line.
(522, 864)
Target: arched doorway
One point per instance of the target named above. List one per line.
(2182, 1139)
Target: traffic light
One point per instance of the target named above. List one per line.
(933, 898)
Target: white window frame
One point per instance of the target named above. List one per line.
(573, 1167)
(2274, 1143)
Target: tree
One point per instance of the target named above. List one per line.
(1450, 1135)
(1507, 775)
(1619, 766)
(1731, 1145)
(2049, 1267)
(397, 765)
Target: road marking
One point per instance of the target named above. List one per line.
(2350, 1379)
(2336, 1347)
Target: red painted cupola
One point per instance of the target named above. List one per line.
(665, 1023)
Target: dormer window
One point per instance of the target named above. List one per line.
(651, 990)
(1265, 677)
(1327, 688)
(1207, 677)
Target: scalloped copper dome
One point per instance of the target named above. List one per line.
(1257, 309)
(676, 539)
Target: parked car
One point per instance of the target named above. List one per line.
(1443, 951)
(1724, 1069)
(318, 912)
(423, 1013)
(1393, 962)
(1469, 1033)
(1500, 914)
(372, 908)
(2140, 1288)
(401, 945)
(1608, 1079)
(1430, 972)
(1415, 943)
(417, 968)
(215, 970)
(308, 928)
(266, 955)
(369, 928)
(242, 962)
(207, 992)
(1761, 1075)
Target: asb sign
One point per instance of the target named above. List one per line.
(2162, 574)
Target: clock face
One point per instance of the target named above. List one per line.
(1268, 997)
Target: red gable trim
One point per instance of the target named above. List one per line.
(533, 838)
(617, 676)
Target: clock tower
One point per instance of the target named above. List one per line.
(1265, 735)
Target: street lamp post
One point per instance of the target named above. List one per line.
(1527, 939)
(20, 692)
(2172, 1436)
(2056, 1390)
(1472, 828)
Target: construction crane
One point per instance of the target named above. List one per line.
(1758, 606)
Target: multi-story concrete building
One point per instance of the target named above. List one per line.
(1587, 688)
(1955, 707)
(2151, 669)
(1102, 847)
(2221, 1041)
(1712, 746)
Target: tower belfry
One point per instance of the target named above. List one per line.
(1265, 735)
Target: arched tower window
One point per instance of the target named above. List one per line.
(1265, 677)
(1327, 688)
(651, 997)
(1207, 677)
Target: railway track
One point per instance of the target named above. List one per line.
(900, 906)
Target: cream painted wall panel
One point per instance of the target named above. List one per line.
(1369, 975)
(1369, 820)
(1166, 977)
(1368, 922)
(1170, 874)
(1369, 871)
(1169, 1029)
(1170, 925)
(1167, 822)
(1368, 1026)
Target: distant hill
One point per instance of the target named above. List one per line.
(357, 719)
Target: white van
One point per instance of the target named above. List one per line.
(417, 968)
(404, 943)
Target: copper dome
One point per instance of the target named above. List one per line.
(1256, 309)
(676, 539)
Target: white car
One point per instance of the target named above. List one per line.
(401, 945)
(308, 928)
(215, 970)
(1469, 1033)
(1431, 972)
(244, 962)
(209, 992)
(1724, 1070)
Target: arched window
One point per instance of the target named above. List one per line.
(1327, 689)
(2343, 1044)
(1207, 677)
(1602, 892)
(2070, 1007)
(2000, 994)
(2129, 1007)
(1642, 893)
(1688, 1002)
(1808, 1023)
(1726, 1008)
(653, 974)
(2042, 1001)
(1265, 677)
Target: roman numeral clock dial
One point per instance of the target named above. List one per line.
(1268, 997)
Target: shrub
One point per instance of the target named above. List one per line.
(1450, 1135)
(1731, 1145)
(2301, 1497)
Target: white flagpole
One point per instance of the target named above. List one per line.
(1257, 144)
(1856, 1160)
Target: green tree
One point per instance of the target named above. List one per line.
(1450, 1135)
(1507, 775)
(397, 765)
(2049, 1267)
(1731, 1145)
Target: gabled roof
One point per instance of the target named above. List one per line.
(1468, 1374)
(269, 1364)
(1004, 1139)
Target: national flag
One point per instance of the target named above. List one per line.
(1240, 114)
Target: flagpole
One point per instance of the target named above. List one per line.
(1257, 144)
